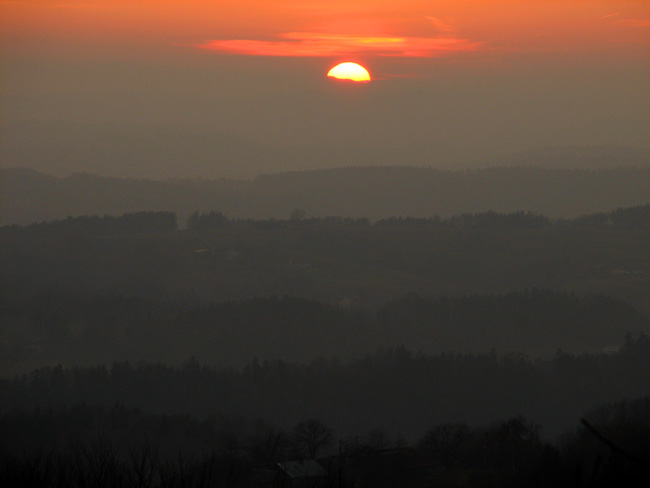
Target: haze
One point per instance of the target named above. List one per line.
(158, 89)
(221, 269)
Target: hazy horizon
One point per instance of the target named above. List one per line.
(148, 89)
(143, 153)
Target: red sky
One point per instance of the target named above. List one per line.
(408, 28)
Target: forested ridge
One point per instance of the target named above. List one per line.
(332, 259)
(198, 350)
(47, 327)
(394, 385)
(109, 440)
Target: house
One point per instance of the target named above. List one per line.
(301, 474)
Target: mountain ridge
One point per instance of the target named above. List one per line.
(373, 192)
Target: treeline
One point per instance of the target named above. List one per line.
(392, 389)
(136, 222)
(632, 217)
(204, 221)
(160, 221)
(51, 327)
(371, 192)
(119, 447)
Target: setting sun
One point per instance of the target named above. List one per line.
(349, 71)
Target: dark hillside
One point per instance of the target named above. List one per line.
(394, 389)
(333, 260)
(50, 328)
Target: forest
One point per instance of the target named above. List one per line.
(333, 260)
(479, 349)
(88, 436)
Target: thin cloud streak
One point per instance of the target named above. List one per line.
(310, 44)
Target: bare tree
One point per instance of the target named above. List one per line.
(312, 435)
(268, 445)
(378, 439)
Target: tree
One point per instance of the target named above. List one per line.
(378, 439)
(268, 444)
(517, 444)
(446, 442)
(312, 435)
(297, 214)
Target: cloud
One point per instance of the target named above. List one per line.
(314, 44)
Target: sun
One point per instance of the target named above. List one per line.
(349, 71)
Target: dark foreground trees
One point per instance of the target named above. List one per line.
(101, 465)
(243, 423)
(508, 453)
(446, 443)
(413, 390)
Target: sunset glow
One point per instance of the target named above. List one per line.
(292, 28)
(349, 71)
(450, 80)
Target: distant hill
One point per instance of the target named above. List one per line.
(575, 157)
(61, 147)
(372, 192)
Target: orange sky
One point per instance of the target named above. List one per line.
(405, 28)
(452, 80)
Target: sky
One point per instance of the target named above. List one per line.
(164, 88)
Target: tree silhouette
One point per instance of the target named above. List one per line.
(312, 435)
(446, 442)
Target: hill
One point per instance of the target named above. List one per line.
(371, 192)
